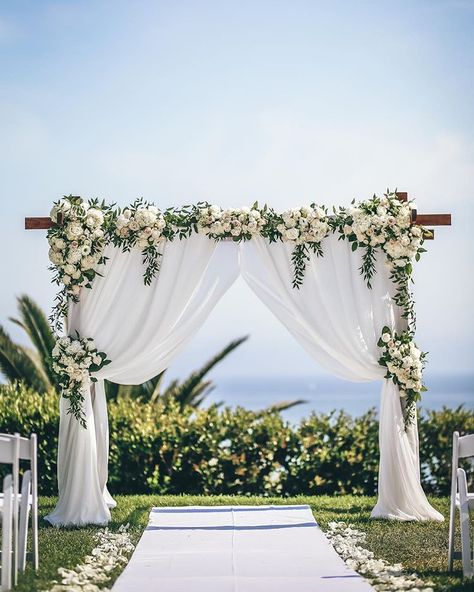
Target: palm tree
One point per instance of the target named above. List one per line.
(33, 366)
(19, 363)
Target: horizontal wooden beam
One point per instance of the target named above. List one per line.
(433, 219)
(38, 223)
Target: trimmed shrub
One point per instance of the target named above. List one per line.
(159, 448)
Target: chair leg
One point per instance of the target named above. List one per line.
(465, 541)
(24, 514)
(452, 516)
(7, 532)
(34, 533)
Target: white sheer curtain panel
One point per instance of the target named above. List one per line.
(338, 320)
(141, 329)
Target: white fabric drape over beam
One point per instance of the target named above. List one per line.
(141, 328)
(338, 321)
(335, 317)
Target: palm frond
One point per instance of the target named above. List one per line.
(37, 327)
(188, 386)
(17, 365)
(284, 405)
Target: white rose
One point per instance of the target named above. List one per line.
(94, 218)
(386, 337)
(74, 230)
(66, 280)
(291, 234)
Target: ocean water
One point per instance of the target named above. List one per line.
(323, 393)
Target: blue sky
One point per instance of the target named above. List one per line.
(285, 102)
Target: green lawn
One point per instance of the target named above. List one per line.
(419, 547)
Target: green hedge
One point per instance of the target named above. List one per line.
(157, 448)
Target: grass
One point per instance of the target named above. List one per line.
(420, 547)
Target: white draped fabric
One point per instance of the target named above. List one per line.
(141, 328)
(338, 321)
(334, 316)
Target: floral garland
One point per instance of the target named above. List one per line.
(144, 226)
(82, 229)
(240, 224)
(112, 551)
(404, 363)
(305, 228)
(349, 543)
(73, 362)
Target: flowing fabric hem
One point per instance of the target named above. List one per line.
(431, 516)
(57, 523)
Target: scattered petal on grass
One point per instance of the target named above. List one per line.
(112, 550)
(349, 543)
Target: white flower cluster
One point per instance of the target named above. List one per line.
(241, 223)
(112, 551)
(403, 360)
(73, 361)
(386, 224)
(144, 225)
(77, 243)
(349, 544)
(74, 357)
(303, 225)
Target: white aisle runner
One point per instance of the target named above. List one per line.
(236, 549)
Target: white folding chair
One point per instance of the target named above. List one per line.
(24, 449)
(463, 447)
(7, 532)
(466, 503)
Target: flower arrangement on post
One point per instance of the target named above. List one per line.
(144, 226)
(304, 227)
(404, 363)
(76, 247)
(73, 362)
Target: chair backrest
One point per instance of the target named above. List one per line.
(466, 446)
(9, 448)
(27, 446)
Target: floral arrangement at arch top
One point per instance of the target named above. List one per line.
(76, 248)
(385, 223)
